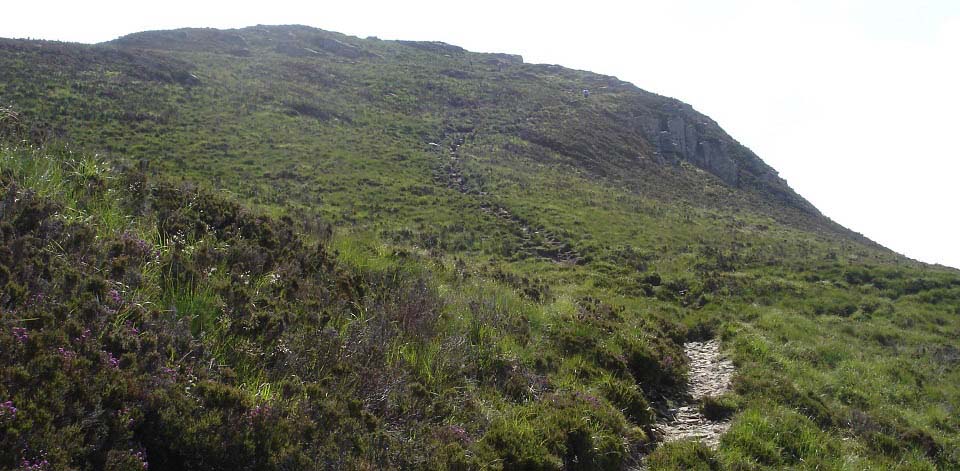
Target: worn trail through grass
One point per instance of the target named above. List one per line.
(710, 376)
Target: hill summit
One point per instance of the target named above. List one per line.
(279, 247)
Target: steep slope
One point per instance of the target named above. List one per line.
(506, 269)
(184, 82)
(620, 125)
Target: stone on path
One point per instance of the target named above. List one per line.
(710, 375)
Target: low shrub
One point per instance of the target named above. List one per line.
(718, 408)
(684, 454)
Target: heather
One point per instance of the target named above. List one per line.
(283, 248)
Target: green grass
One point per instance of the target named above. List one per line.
(434, 311)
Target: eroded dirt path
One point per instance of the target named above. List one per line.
(710, 375)
(533, 240)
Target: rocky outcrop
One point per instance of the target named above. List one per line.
(677, 132)
(679, 138)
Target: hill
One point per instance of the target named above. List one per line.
(326, 251)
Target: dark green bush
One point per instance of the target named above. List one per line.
(687, 455)
(656, 366)
(718, 408)
(628, 398)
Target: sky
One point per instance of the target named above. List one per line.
(855, 102)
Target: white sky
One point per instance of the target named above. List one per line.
(855, 102)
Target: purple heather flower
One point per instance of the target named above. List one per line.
(132, 328)
(115, 297)
(114, 362)
(141, 245)
(7, 409)
(66, 354)
(20, 334)
(142, 457)
(34, 465)
(258, 411)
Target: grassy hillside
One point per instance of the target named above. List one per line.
(279, 247)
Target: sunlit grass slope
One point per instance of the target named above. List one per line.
(322, 251)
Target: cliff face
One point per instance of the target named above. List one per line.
(677, 138)
(677, 132)
(616, 123)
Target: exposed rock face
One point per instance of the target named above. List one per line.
(677, 132)
(680, 139)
